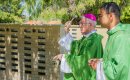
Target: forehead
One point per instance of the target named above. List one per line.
(83, 19)
(102, 11)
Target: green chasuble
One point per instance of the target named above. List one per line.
(116, 58)
(127, 27)
(81, 51)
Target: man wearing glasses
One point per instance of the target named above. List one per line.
(80, 51)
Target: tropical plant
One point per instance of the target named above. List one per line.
(63, 10)
(10, 11)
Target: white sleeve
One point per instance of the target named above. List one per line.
(66, 41)
(99, 71)
(64, 67)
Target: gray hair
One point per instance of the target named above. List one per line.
(92, 22)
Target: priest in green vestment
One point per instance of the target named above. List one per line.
(116, 57)
(80, 51)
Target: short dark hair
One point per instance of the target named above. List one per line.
(111, 7)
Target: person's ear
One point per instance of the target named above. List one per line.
(111, 16)
(90, 24)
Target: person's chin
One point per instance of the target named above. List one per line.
(103, 25)
(82, 33)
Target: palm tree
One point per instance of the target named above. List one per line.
(32, 8)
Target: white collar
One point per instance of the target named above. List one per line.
(87, 35)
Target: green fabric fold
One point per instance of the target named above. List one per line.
(117, 53)
(81, 51)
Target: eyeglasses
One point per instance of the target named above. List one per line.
(83, 24)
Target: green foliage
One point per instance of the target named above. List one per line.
(10, 11)
(63, 10)
(9, 18)
(51, 14)
(92, 6)
(125, 18)
(34, 8)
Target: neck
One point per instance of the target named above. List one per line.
(113, 24)
(90, 32)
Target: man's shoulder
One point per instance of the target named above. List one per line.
(97, 35)
(125, 24)
(122, 35)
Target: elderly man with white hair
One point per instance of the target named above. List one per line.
(74, 63)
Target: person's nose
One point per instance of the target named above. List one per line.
(80, 25)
